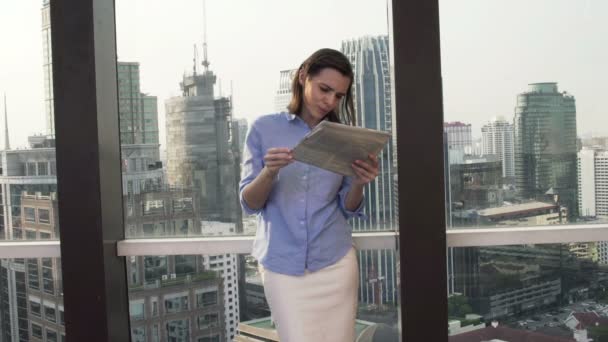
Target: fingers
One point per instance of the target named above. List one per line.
(366, 171)
(278, 150)
(369, 168)
(278, 157)
(364, 174)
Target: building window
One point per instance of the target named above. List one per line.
(178, 330)
(155, 267)
(208, 321)
(207, 298)
(30, 214)
(32, 271)
(50, 313)
(31, 169)
(47, 276)
(35, 308)
(44, 216)
(185, 264)
(43, 169)
(137, 309)
(51, 336)
(45, 236)
(182, 205)
(154, 302)
(176, 303)
(36, 330)
(30, 234)
(152, 207)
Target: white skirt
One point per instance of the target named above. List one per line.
(318, 306)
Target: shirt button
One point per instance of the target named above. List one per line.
(302, 222)
(304, 177)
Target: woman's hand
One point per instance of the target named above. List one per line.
(277, 158)
(366, 171)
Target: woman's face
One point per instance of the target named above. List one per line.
(323, 92)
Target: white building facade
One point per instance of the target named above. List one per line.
(497, 139)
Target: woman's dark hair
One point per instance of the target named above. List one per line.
(312, 66)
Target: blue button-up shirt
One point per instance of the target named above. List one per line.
(303, 224)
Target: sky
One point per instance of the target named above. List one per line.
(491, 51)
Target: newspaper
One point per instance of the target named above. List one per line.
(334, 147)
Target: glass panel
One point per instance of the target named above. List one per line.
(190, 169)
(31, 294)
(525, 133)
(183, 133)
(27, 147)
(27, 311)
(549, 292)
(211, 301)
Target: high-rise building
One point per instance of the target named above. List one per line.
(201, 151)
(47, 67)
(371, 88)
(460, 136)
(283, 95)
(593, 190)
(138, 112)
(545, 145)
(372, 98)
(497, 139)
(27, 186)
(593, 182)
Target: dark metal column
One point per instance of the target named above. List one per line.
(88, 169)
(419, 116)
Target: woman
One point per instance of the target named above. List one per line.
(303, 241)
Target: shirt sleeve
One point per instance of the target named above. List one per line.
(253, 162)
(344, 189)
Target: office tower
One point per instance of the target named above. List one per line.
(459, 136)
(175, 297)
(201, 151)
(497, 139)
(545, 145)
(371, 88)
(372, 98)
(283, 95)
(476, 183)
(138, 112)
(29, 287)
(47, 67)
(593, 190)
(593, 182)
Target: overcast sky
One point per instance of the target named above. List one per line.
(491, 50)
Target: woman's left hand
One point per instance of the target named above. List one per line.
(366, 171)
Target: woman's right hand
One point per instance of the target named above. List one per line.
(277, 158)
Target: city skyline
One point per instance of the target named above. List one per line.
(477, 86)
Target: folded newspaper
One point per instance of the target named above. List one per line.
(334, 147)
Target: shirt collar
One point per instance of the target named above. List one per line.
(290, 116)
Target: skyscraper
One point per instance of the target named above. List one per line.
(200, 151)
(545, 145)
(47, 67)
(138, 112)
(593, 182)
(459, 136)
(497, 139)
(369, 57)
(372, 98)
